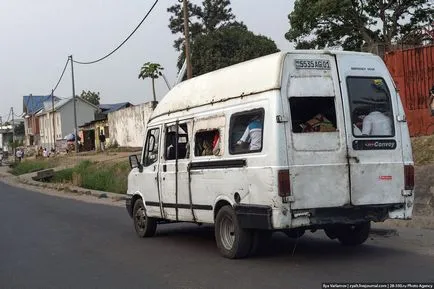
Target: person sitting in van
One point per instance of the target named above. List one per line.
(319, 123)
(207, 148)
(253, 134)
(377, 123)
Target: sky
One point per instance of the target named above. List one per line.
(37, 37)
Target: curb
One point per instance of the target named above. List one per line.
(73, 189)
(60, 187)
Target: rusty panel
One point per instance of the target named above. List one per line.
(413, 72)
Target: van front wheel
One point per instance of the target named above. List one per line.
(353, 235)
(233, 241)
(144, 225)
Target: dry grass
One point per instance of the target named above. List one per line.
(423, 150)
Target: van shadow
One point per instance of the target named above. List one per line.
(312, 246)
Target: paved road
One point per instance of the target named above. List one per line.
(52, 242)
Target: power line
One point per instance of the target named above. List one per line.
(61, 76)
(129, 36)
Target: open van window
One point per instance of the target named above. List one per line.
(246, 132)
(371, 107)
(150, 155)
(207, 143)
(180, 140)
(313, 114)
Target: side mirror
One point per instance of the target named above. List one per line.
(134, 162)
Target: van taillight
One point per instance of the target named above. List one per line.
(409, 177)
(284, 184)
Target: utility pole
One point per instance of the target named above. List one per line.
(13, 135)
(75, 105)
(54, 123)
(187, 41)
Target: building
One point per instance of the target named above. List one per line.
(127, 126)
(32, 104)
(6, 134)
(57, 122)
(90, 131)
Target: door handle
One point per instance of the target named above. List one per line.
(164, 168)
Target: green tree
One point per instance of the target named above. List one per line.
(152, 71)
(210, 16)
(353, 23)
(227, 46)
(19, 129)
(90, 96)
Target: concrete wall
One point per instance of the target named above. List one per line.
(127, 126)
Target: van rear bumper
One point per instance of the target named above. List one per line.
(322, 217)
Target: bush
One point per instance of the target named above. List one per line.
(30, 166)
(111, 177)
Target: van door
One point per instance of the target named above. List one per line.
(174, 179)
(145, 181)
(374, 137)
(316, 137)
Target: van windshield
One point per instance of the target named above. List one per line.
(371, 107)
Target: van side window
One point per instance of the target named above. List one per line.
(151, 147)
(313, 114)
(176, 142)
(207, 143)
(371, 107)
(246, 132)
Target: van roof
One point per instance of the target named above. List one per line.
(243, 79)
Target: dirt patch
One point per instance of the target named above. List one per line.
(423, 150)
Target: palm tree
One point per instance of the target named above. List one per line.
(153, 71)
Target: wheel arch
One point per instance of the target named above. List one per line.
(136, 196)
(220, 202)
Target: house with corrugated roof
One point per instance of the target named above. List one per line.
(89, 132)
(32, 104)
(57, 121)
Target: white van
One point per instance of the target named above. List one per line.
(288, 142)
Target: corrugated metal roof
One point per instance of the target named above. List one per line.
(34, 103)
(108, 108)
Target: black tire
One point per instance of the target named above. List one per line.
(294, 233)
(233, 241)
(260, 240)
(144, 225)
(353, 235)
(331, 232)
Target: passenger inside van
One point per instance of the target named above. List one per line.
(253, 134)
(313, 114)
(319, 123)
(377, 123)
(207, 143)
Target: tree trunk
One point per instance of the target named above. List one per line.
(153, 89)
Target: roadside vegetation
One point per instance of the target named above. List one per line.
(102, 176)
(30, 166)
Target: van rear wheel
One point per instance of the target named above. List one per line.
(353, 235)
(233, 241)
(144, 225)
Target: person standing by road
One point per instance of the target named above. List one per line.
(102, 141)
